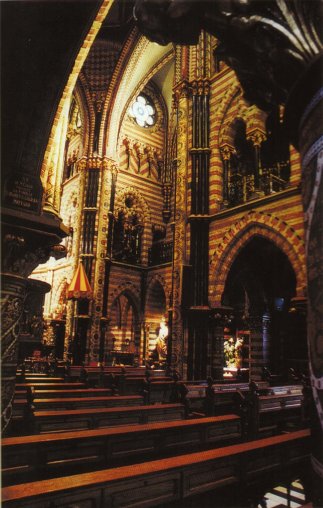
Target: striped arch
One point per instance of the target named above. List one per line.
(256, 224)
(128, 289)
(233, 91)
(86, 103)
(69, 87)
(59, 295)
(158, 278)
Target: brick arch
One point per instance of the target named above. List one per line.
(158, 278)
(256, 224)
(128, 289)
(229, 96)
(71, 82)
(82, 92)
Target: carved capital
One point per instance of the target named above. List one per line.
(82, 164)
(226, 151)
(256, 137)
(182, 90)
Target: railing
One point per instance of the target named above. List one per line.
(160, 252)
(242, 188)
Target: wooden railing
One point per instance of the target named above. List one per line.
(159, 253)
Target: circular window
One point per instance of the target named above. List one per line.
(143, 112)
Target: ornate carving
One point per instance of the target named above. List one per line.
(256, 137)
(226, 151)
(22, 257)
(13, 292)
(268, 44)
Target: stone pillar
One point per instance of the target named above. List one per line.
(311, 147)
(226, 153)
(179, 250)
(257, 137)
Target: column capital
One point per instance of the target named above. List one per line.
(226, 151)
(200, 87)
(182, 90)
(256, 136)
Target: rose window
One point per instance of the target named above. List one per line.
(143, 112)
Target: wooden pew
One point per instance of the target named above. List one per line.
(273, 412)
(237, 467)
(62, 404)
(31, 457)
(55, 421)
(270, 411)
(79, 392)
(159, 391)
(44, 379)
(48, 386)
(224, 400)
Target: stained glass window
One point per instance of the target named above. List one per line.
(143, 112)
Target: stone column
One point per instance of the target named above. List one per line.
(226, 153)
(179, 249)
(257, 137)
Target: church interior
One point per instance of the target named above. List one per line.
(161, 294)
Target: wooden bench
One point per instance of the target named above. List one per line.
(79, 392)
(31, 457)
(43, 379)
(273, 412)
(48, 386)
(224, 400)
(54, 421)
(79, 402)
(237, 467)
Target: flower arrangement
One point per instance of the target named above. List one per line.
(233, 351)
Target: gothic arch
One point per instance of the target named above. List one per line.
(86, 104)
(72, 78)
(143, 54)
(268, 226)
(232, 92)
(160, 279)
(130, 290)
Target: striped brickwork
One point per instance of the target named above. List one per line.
(69, 87)
(228, 236)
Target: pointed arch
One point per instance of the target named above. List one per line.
(256, 224)
(152, 280)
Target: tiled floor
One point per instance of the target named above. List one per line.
(278, 497)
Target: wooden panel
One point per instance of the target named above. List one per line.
(159, 481)
(53, 421)
(54, 453)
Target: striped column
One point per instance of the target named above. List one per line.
(179, 256)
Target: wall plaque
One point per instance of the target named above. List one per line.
(23, 192)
